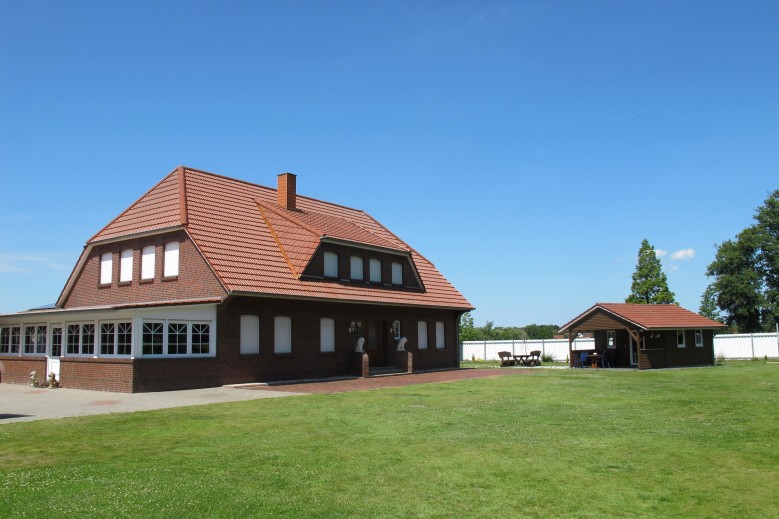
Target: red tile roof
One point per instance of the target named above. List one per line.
(648, 317)
(255, 246)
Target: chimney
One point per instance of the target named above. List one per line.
(286, 191)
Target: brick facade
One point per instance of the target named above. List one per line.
(195, 279)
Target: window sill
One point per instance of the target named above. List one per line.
(104, 285)
(125, 283)
(170, 278)
(146, 281)
(283, 355)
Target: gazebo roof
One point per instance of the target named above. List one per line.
(608, 316)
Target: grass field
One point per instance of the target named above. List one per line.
(552, 443)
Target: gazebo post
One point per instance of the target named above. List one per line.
(570, 347)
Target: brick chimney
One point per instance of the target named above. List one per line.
(286, 191)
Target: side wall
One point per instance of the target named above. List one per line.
(195, 279)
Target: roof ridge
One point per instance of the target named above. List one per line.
(311, 198)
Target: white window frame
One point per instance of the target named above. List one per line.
(187, 337)
(681, 344)
(106, 268)
(397, 273)
(5, 340)
(357, 268)
(126, 266)
(250, 334)
(282, 335)
(699, 338)
(52, 328)
(190, 324)
(170, 265)
(327, 335)
(440, 335)
(611, 340)
(148, 260)
(374, 266)
(114, 340)
(330, 265)
(80, 352)
(422, 335)
(35, 344)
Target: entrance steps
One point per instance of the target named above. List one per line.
(384, 371)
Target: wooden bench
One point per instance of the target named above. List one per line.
(531, 359)
(506, 359)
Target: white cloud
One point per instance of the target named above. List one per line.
(673, 268)
(660, 253)
(683, 254)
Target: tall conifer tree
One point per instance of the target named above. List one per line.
(650, 285)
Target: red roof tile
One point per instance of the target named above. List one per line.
(649, 317)
(255, 246)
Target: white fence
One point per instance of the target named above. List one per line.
(736, 346)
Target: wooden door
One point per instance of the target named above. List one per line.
(376, 343)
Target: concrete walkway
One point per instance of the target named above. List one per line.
(19, 403)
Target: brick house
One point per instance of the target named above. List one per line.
(645, 336)
(207, 280)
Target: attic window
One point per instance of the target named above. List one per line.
(126, 266)
(397, 273)
(331, 265)
(171, 265)
(106, 268)
(375, 270)
(357, 268)
(147, 262)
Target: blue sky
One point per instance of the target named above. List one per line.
(526, 148)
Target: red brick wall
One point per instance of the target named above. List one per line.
(195, 279)
(97, 374)
(16, 370)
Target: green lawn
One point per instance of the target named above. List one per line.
(552, 443)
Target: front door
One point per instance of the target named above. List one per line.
(53, 359)
(376, 343)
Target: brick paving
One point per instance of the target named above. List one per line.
(362, 384)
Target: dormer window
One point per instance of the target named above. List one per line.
(375, 270)
(356, 268)
(331, 265)
(397, 273)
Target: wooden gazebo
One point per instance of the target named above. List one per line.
(646, 336)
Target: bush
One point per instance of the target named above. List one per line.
(547, 357)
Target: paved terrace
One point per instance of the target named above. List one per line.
(20, 403)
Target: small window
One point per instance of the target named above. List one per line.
(5, 340)
(171, 265)
(250, 335)
(397, 273)
(422, 335)
(124, 338)
(440, 335)
(106, 268)
(282, 335)
(56, 341)
(327, 335)
(331, 265)
(699, 338)
(375, 271)
(177, 339)
(126, 266)
(152, 338)
(357, 266)
(201, 338)
(147, 262)
(610, 344)
(16, 337)
(680, 338)
(107, 338)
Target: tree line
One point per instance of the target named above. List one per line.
(490, 332)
